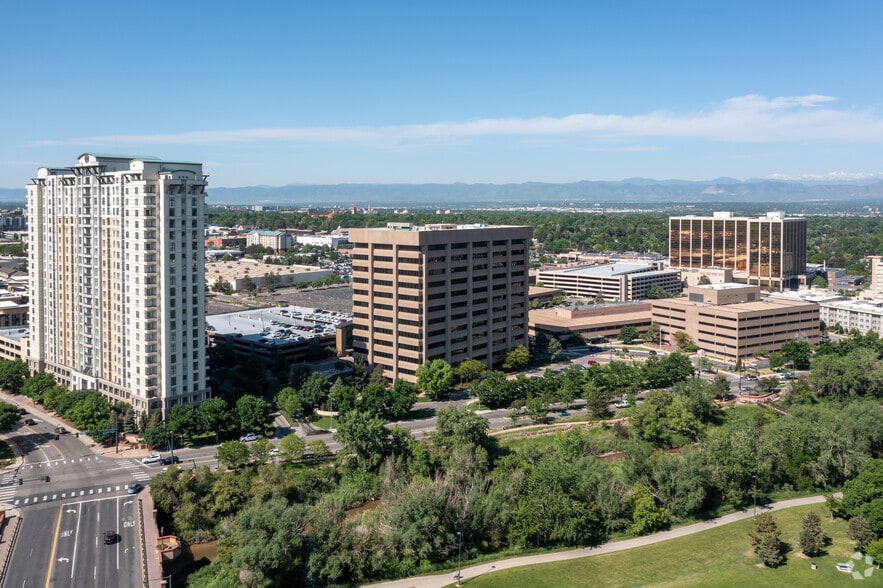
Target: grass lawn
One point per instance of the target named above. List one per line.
(718, 557)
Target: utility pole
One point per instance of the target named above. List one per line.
(459, 568)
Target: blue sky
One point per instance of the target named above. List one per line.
(281, 92)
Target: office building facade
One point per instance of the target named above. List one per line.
(450, 292)
(116, 257)
(613, 282)
(734, 321)
(768, 251)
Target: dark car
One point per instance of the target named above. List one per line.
(110, 537)
(30, 422)
(172, 459)
(135, 488)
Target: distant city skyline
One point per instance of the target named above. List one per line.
(392, 92)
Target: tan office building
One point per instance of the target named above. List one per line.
(734, 321)
(450, 292)
(116, 258)
(768, 251)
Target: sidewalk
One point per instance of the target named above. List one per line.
(447, 579)
(151, 568)
(8, 533)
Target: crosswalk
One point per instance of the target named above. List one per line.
(9, 480)
(136, 469)
(70, 494)
(7, 488)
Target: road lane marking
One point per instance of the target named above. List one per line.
(76, 542)
(54, 547)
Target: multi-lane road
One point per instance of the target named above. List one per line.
(68, 497)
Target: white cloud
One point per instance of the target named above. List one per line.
(750, 118)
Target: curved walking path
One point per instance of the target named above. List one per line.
(446, 579)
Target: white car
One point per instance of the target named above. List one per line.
(249, 437)
(152, 458)
(274, 451)
(622, 404)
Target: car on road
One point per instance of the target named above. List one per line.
(274, 451)
(172, 459)
(751, 378)
(591, 362)
(249, 437)
(30, 422)
(134, 488)
(60, 431)
(624, 403)
(22, 411)
(110, 537)
(563, 413)
(152, 458)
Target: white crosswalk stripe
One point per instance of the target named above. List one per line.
(7, 486)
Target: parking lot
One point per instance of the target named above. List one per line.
(333, 298)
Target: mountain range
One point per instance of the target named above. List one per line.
(632, 191)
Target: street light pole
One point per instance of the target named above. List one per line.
(459, 543)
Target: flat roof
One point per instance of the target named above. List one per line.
(607, 269)
(280, 324)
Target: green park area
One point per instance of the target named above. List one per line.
(721, 556)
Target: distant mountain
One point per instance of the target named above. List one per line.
(585, 193)
(13, 195)
(631, 191)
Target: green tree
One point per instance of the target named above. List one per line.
(628, 334)
(364, 436)
(260, 450)
(797, 352)
(555, 348)
(656, 292)
(214, 416)
(314, 392)
(470, 369)
(647, 515)
(222, 285)
(684, 342)
(459, 425)
(435, 377)
(399, 400)
(37, 385)
(182, 421)
(266, 541)
(13, 374)
(289, 401)
(252, 414)
(318, 448)
(233, 454)
(765, 539)
(292, 447)
(8, 416)
(860, 532)
(875, 550)
(517, 358)
(812, 538)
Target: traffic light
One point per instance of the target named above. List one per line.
(47, 478)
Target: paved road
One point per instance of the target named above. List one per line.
(68, 496)
(446, 579)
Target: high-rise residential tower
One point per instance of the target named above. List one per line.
(116, 258)
(767, 251)
(450, 292)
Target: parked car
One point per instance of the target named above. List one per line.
(249, 437)
(30, 422)
(60, 431)
(624, 403)
(563, 413)
(152, 458)
(172, 459)
(134, 488)
(110, 537)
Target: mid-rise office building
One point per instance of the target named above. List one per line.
(116, 257)
(450, 292)
(734, 321)
(769, 251)
(613, 282)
